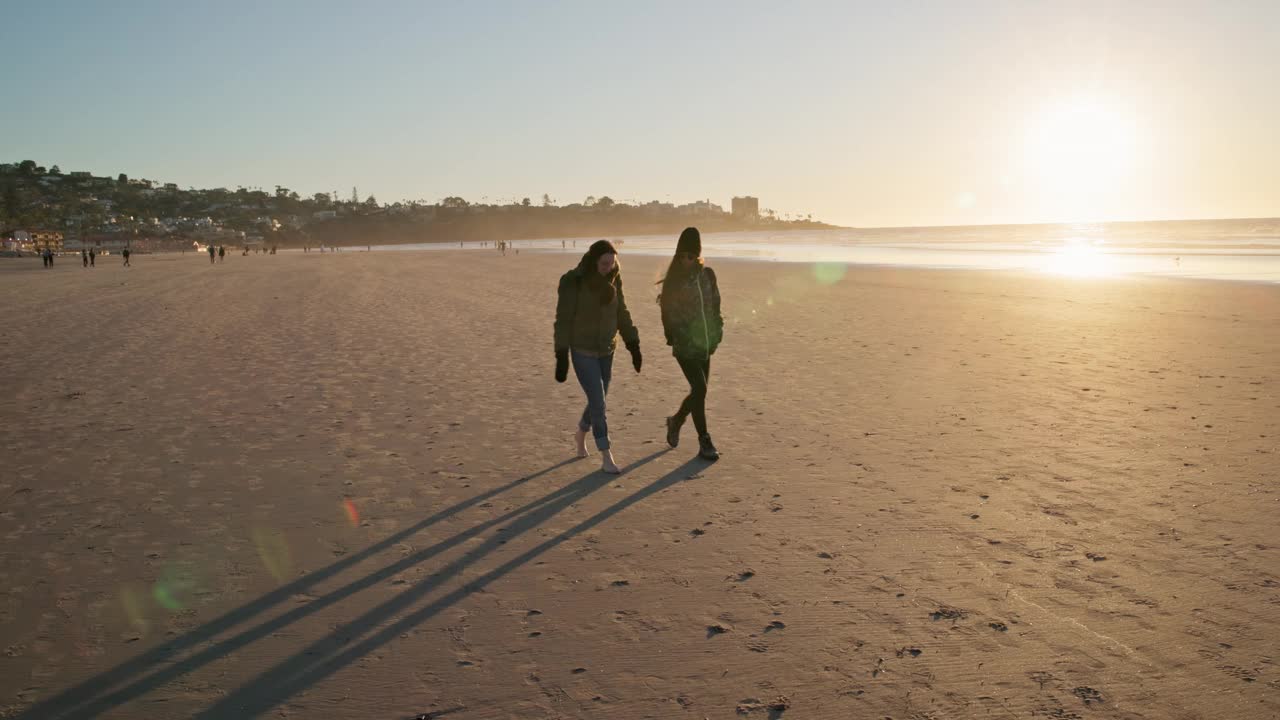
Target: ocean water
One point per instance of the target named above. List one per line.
(1240, 250)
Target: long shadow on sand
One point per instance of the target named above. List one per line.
(95, 695)
(367, 632)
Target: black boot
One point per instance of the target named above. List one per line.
(673, 430)
(706, 450)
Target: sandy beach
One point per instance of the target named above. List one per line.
(342, 486)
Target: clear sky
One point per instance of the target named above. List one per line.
(904, 113)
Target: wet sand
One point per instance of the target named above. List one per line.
(342, 486)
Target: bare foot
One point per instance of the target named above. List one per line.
(581, 439)
(608, 465)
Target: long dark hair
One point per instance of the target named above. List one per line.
(605, 286)
(676, 273)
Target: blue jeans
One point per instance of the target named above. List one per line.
(593, 374)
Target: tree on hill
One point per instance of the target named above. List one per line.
(12, 203)
(122, 179)
(55, 170)
(27, 167)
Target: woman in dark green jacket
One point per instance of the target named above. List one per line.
(691, 319)
(590, 312)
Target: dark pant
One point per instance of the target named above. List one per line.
(594, 374)
(697, 370)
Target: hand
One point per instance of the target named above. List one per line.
(562, 365)
(636, 359)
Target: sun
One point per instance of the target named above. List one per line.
(1080, 151)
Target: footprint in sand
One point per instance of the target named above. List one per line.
(947, 613)
(717, 629)
(1088, 695)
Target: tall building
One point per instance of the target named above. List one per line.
(746, 207)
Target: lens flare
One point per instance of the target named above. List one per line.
(274, 552)
(828, 273)
(133, 602)
(175, 588)
(353, 516)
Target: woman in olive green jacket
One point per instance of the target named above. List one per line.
(590, 312)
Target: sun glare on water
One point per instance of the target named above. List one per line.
(1079, 258)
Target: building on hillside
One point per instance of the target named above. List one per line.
(747, 208)
(701, 207)
(51, 239)
(17, 240)
(658, 208)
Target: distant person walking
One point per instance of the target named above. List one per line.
(84, 259)
(212, 252)
(93, 257)
(691, 320)
(590, 312)
(125, 253)
(222, 253)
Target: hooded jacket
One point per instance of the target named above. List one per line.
(591, 310)
(691, 316)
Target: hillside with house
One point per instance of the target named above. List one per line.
(67, 211)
